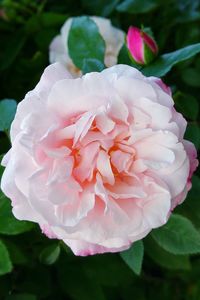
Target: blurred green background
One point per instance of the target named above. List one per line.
(34, 267)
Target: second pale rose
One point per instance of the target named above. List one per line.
(113, 37)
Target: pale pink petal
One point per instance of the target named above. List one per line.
(104, 167)
(121, 160)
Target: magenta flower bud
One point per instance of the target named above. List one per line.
(142, 48)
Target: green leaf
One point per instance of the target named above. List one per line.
(134, 257)
(85, 41)
(178, 236)
(17, 254)
(5, 262)
(193, 134)
(92, 65)
(78, 282)
(123, 57)
(45, 20)
(137, 6)
(9, 225)
(7, 112)
(16, 43)
(191, 77)
(164, 258)
(187, 105)
(21, 297)
(165, 62)
(100, 7)
(191, 206)
(50, 254)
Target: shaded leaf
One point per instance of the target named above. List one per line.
(137, 6)
(134, 256)
(78, 283)
(193, 134)
(21, 297)
(9, 225)
(187, 105)
(164, 258)
(13, 48)
(100, 7)
(45, 20)
(50, 254)
(191, 77)
(17, 255)
(5, 262)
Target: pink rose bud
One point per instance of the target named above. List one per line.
(142, 47)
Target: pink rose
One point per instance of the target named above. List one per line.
(97, 161)
(113, 37)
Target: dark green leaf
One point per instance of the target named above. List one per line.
(137, 6)
(191, 206)
(50, 254)
(193, 134)
(123, 57)
(178, 236)
(77, 282)
(45, 20)
(7, 112)
(17, 255)
(187, 105)
(165, 62)
(191, 77)
(134, 257)
(13, 48)
(5, 262)
(85, 41)
(164, 258)
(188, 10)
(9, 225)
(21, 297)
(100, 7)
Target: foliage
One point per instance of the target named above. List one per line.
(167, 262)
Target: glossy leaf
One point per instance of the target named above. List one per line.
(165, 62)
(178, 236)
(92, 65)
(85, 41)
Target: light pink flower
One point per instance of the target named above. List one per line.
(142, 48)
(97, 161)
(113, 37)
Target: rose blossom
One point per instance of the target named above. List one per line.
(97, 161)
(113, 37)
